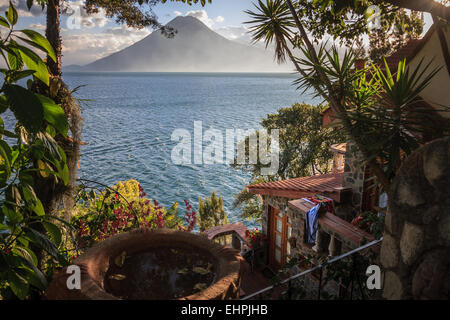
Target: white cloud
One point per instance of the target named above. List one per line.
(37, 26)
(239, 34)
(219, 19)
(234, 32)
(86, 47)
(78, 17)
(177, 13)
(202, 15)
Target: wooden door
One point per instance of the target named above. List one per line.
(280, 232)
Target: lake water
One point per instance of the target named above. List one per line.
(130, 120)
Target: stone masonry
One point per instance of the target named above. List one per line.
(415, 254)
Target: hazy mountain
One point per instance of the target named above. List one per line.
(195, 48)
(72, 67)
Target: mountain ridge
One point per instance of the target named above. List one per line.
(194, 48)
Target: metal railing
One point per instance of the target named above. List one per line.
(320, 267)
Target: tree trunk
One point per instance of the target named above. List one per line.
(45, 188)
(62, 96)
(53, 35)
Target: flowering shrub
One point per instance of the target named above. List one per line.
(370, 222)
(100, 215)
(190, 218)
(255, 238)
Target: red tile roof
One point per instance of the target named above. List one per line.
(409, 51)
(327, 117)
(327, 184)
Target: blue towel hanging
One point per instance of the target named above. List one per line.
(312, 223)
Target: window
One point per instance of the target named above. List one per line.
(288, 236)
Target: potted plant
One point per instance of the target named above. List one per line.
(255, 239)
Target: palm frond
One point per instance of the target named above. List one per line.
(272, 23)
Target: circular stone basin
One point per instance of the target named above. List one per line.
(154, 265)
(161, 273)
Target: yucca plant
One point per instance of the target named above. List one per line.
(272, 22)
(383, 109)
(374, 107)
(393, 120)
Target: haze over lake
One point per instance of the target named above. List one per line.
(129, 125)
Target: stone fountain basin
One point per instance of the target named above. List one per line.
(154, 265)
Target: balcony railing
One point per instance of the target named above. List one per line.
(289, 281)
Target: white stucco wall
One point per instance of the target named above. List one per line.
(438, 92)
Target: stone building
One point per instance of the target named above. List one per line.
(284, 219)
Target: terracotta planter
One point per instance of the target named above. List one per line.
(154, 265)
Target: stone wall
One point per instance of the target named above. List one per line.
(415, 253)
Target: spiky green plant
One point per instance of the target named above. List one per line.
(272, 22)
(383, 108)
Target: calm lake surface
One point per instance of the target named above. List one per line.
(130, 120)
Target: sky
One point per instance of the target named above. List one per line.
(93, 37)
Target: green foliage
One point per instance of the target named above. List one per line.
(250, 204)
(347, 20)
(380, 112)
(305, 145)
(347, 272)
(211, 212)
(25, 154)
(383, 110)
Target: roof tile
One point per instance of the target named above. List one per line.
(299, 187)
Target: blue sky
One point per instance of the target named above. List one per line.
(98, 36)
(231, 10)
